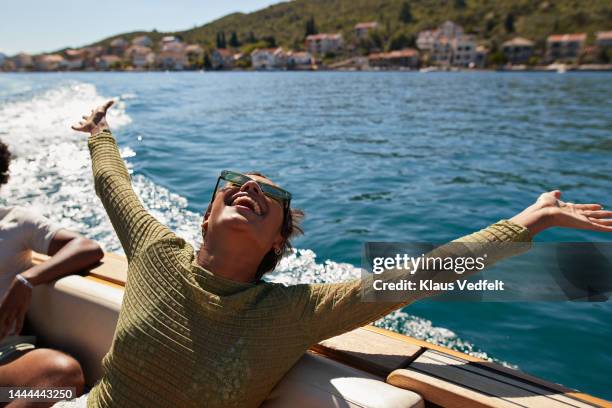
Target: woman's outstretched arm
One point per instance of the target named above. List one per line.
(331, 309)
(134, 226)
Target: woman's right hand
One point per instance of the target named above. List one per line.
(549, 211)
(96, 121)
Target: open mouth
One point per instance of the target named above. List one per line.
(247, 202)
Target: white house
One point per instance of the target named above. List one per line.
(464, 51)
(603, 39)
(362, 29)
(299, 59)
(518, 50)
(172, 44)
(564, 47)
(49, 62)
(172, 60)
(142, 41)
(324, 43)
(142, 57)
(270, 58)
(222, 58)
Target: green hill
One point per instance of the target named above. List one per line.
(399, 20)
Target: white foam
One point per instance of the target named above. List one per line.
(52, 173)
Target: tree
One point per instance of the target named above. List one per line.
(405, 15)
(270, 40)
(221, 40)
(400, 41)
(311, 28)
(206, 63)
(233, 42)
(509, 23)
(251, 39)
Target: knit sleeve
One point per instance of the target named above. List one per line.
(134, 226)
(331, 309)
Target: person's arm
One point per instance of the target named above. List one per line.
(69, 252)
(134, 226)
(331, 309)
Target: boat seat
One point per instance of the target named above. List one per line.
(450, 381)
(87, 335)
(316, 381)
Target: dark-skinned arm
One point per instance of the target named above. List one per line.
(69, 252)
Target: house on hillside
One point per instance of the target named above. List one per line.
(118, 46)
(406, 58)
(299, 60)
(75, 59)
(321, 44)
(463, 51)
(447, 31)
(141, 57)
(142, 41)
(565, 47)
(362, 29)
(22, 61)
(222, 58)
(518, 50)
(172, 60)
(603, 39)
(172, 44)
(269, 58)
(51, 62)
(106, 62)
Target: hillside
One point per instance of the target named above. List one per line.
(494, 21)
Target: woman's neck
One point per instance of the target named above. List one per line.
(228, 261)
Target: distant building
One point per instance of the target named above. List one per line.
(22, 61)
(194, 50)
(362, 29)
(106, 62)
(299, 60)
(118, 46)
(603, 39)
(463, 51)
(406, 58)
(172, 60)
(2, 59)
(480, 56)
(448, 30)
(518, 50)
(75, 59)
(448, 45)
(142, 41)
(50, 62)
(140, 56)
(322, 44)
(222, 58)
(171, 43)
(564, 47)
(270, 58)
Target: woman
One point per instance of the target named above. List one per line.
(202, 329)
(21, 232)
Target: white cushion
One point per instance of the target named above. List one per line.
(319, 382)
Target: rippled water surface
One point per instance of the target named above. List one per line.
(368, 156)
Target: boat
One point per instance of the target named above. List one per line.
(367, 367)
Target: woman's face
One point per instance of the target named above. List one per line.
(247, 214)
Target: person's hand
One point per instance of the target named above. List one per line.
(549, 211)
(13, 308)
(96, 121)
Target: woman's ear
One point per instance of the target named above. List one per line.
(278, 244)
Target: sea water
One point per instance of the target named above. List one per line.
(369, 156)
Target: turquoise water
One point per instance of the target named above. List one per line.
(369, 157)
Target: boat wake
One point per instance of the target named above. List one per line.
(51, 172)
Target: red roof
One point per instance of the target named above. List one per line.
(367, 26)
(314, 37)
(405, 53)
(604, 35)
(567, 37)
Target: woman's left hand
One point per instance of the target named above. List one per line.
(549, 211)
(13, 308)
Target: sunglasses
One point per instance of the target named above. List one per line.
(237, 180)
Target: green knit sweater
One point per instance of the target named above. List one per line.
(188, 338)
